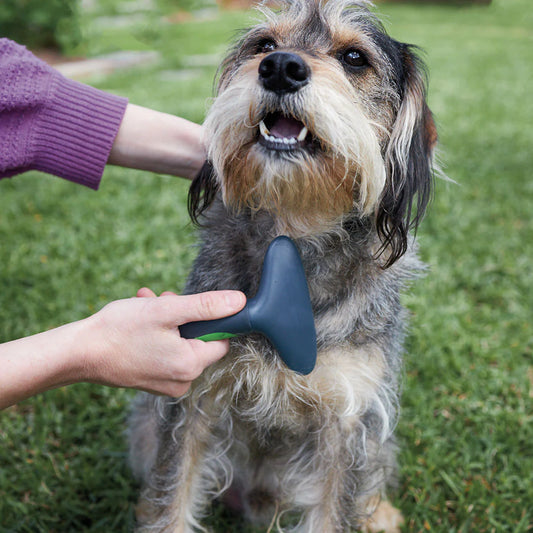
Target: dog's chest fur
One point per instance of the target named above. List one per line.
(358, 315)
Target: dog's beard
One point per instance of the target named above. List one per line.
(311, 186)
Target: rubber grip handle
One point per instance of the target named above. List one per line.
(220, 328)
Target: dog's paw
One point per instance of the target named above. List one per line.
(385, 518)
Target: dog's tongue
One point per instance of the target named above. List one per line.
(285, 127)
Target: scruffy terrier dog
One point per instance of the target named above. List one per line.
(319, 131)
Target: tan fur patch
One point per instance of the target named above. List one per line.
(385, 518)
(349, 380)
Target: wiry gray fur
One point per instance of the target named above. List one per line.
(356, 303)
(321, 445)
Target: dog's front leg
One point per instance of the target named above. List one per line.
(321, 486)
(176, 494)
(335, 492)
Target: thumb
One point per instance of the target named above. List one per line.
(203, 306)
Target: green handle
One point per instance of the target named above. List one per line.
(216, 336)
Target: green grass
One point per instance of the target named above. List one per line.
(466, 432)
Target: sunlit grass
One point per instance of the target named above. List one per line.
(466, 430)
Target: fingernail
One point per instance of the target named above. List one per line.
(235, 299)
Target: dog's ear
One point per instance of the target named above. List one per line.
(409, 161)
(202, 191)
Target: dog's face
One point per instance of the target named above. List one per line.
(320, 114)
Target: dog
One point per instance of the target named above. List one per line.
(320, 130)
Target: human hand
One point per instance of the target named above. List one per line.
(136, 342)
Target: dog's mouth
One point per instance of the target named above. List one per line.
(281, 132)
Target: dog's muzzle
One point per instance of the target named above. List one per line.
(283, 72)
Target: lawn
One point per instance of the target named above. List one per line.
(466, 431)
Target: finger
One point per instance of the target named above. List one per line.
(168, 293)
(197, 357)
(209, 352)
(145, 292)
(204, 306)
(175, 389)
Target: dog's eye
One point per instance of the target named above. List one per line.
(265, 46)
(354, 59)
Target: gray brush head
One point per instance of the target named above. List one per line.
(281, 310)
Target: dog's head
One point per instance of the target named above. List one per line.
(320, 114)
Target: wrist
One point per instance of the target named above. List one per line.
(44, 361)
(94, 354)
(158, 142)
(70, 346)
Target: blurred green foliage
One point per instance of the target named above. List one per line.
(61, 24)
(41, 23)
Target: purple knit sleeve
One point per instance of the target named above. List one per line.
(51, 123)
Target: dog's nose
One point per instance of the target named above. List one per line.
(283, 72)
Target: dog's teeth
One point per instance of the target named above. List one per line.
(303, 134)
(263, 129)
(281, 140)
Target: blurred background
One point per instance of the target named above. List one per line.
(65, 25)
(466, 430)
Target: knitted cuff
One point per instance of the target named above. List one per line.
(74, 133)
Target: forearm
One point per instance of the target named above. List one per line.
(158, 142)
(44, 361)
